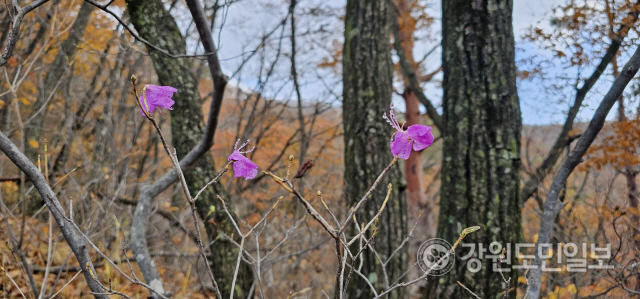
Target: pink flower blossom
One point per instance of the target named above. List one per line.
(242, 166)
(156, 96)
(416, 136)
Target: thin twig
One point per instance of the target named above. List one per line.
(125, 25)
(14, 283)
(470, 292)
(552, 205)
(15, 27)
(66, 284)
(49, 260)
(183, 183)
(449, 253)
(366, 195)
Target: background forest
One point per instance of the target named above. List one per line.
(533, 110)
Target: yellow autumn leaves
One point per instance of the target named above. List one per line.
(34, 143)
(23, 100)
(563, 292)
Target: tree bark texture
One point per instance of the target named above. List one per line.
(154, 23)
(367, 91)
(481, 151)
(417, 202)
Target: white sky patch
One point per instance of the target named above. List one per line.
(245, 21)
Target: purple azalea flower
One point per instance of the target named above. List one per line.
(242, 166)
(416, 136)
(156, 96)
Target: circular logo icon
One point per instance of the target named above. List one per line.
(432, 256)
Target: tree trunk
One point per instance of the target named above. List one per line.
(413, 173)
(367, 91)
(420, 208)
(481, 151)
(154, 23)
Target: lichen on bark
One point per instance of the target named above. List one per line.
(367, 93)
(481, 165)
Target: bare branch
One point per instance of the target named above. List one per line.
(14, 283)
(426, 273)
(564, 139)
(105, 8)
(140, 248)
(304, 142)
(553, 205)
(19, 13)
(73, 238)
(366, 196)
(467, 289)
(142, 211)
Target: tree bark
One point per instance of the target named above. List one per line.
(420, 208)
(154, 23)
(367, 91)
(413, 173)
(481, 151)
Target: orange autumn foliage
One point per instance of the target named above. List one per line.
(619, 148)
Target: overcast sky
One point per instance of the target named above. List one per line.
(527, 13)
(247, 19)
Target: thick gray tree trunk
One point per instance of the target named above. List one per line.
(154, 23)
(367, 91)
(482, 123)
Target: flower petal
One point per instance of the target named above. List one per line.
(246, 169)
(421, 136)
(242, 166)
(158, 96)
(401, 145)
